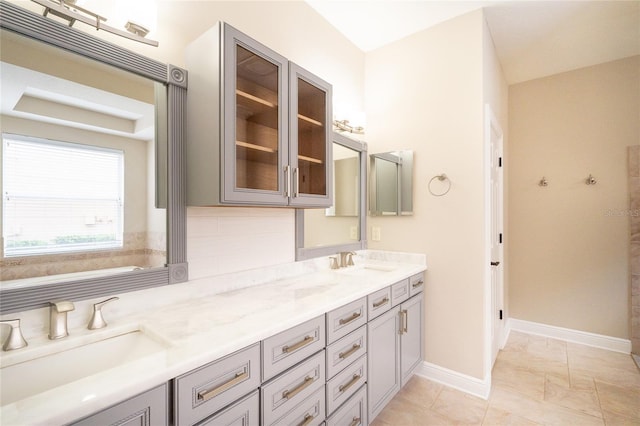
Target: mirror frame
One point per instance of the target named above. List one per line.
(29, 24)
(303, 253)
(404, 169)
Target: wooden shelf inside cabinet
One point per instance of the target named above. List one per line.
(310, 159)
(257, 153)
(308, 123)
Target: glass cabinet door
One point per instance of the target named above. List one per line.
(310, 147)
(256, 134)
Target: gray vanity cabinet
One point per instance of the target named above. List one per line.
(147, 409)
(395, 341)
(411, 339)
(383, 342)
(259, 126)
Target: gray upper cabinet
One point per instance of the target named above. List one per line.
(259, 134)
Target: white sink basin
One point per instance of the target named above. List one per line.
(366, 269)
(38, 375)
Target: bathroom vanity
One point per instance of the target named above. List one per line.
(293, 344)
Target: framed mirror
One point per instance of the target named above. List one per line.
(391, 185)
(321, 232)
(73, 105)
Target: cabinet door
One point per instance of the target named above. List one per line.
(383, 379)
(147, 409)
(311, 159)
(411, 343)
(255, 99)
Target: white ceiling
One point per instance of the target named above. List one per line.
(532, 38)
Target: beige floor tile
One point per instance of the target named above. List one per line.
(460, 407)
(615, 419)
(581, 397)
(539, 411)
(535, 380)
(511, 377)
(620, 400)
(420, 391)
(498, 417)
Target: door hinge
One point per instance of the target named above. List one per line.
(500, 313)
(500, 238)
(499, 161)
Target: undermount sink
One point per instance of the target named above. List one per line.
(28, 378)
(366, 269)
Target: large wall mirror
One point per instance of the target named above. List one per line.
(92, 166)
(320, 232)
(391, 186)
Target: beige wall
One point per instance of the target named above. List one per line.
(425, 93)
(568, 255)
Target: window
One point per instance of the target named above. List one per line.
(60, 197)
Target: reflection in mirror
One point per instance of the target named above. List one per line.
(326, 231)
(78, 166)
(391, 186)
(170, 129)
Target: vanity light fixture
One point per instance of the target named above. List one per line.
(344, 126)
(70, 12)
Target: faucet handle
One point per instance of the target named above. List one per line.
(333, 262)
(15, 339)
(350, 258)
(62, 306)
(97, 320)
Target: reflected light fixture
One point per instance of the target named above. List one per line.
(69, 11)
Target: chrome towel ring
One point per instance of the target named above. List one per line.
(441, 178)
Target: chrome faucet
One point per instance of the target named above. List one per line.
(15, 339)
(58, 318)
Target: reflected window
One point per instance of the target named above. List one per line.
(60, 197)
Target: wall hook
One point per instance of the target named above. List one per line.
(591, 180)
(543, 182)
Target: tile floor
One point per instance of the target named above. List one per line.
(536, 381)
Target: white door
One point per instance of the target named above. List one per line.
(497, 237)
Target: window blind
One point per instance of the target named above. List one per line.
(60, 197)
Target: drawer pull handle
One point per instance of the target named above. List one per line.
(300, 344)
(351, 382)
(380, 303)
(404, 321)
(308, 418)
(347, 354)
(347, 320)
(418, 284)
(291, 393)
(207, 395)
(355, 421)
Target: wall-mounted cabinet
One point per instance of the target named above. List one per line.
(259, 132)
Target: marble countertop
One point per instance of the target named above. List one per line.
(198, 330)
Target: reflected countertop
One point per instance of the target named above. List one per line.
(202, 328)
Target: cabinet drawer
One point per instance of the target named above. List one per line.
(399, 292)
(206, 390)
(147, 409)
(285, 392)
(353, 412)
(416, 284)
(309, 412)
(346, 350)
(346, 383)
(379, 302)
(288, 348)
(345, 319)
(245, 412)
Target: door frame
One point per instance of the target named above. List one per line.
(491, 124)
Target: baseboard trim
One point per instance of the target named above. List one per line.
(453, 379)
(615, 344)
